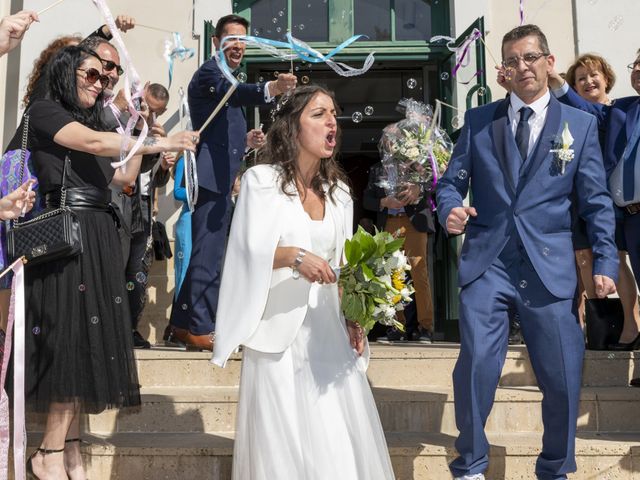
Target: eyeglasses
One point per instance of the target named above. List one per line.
(108, 65)
(634, 66)
(527, 58)
(92, 76)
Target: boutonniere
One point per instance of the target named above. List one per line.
(564, 153)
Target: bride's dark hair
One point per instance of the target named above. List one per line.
(281, 148)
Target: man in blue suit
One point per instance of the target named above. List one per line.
(517, 256)
(219, 154)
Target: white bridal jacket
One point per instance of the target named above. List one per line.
(261, 307)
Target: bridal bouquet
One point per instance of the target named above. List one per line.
(416, 149)
(374, 283)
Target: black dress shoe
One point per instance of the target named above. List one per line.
(139, 341)
(170, 339)
(626, 347)
(635, 382)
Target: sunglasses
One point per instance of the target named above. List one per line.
(108, 65)
(92, 76)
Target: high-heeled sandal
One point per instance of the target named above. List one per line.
(43, 451)
(79, 440)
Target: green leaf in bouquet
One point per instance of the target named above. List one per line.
(352, 307)
(352, 251)
(394, 245)
(366, 242)
(368, 273)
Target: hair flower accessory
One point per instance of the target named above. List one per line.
(565, 153)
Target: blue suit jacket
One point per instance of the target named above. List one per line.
(616, 122)
(534, 201)
(223, 142)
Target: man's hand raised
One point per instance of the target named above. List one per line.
(457, 219)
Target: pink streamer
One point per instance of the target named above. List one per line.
(521, 12)
(461, 52)
(17, 318)
(134, 85)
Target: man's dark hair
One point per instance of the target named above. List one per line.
(63, 85)
(92, 42)
(159, 92)
(523, 31)
(223, 21)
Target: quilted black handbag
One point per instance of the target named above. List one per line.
(51, 235)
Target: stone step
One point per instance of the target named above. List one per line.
(417, 456)
(390, 365)
(408, 409)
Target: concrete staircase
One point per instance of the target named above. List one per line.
(184, 429)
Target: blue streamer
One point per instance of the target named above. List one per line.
(176, 49)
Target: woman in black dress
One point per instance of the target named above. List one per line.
(79, 349)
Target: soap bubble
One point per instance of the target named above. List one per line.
(242, 77)
(36, 330)
(546, 251)
(280, 13)
(481, 92)
(455, 122)
(523, 284)
(81, 287)
(462, 174)
(118, 300)
(276, 73)
(616, 22)
(278, 29)
(95, 320)
(356, 117)
(260, 79)
(141, 277)
(305, 80)
(444, 76)
(368, 110)
(130, 286)
(509, 73)
(184, 306)
(301, 27)
(274, 20)
(180, 255)
(411, 83)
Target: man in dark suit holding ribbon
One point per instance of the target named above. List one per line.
(220, 152)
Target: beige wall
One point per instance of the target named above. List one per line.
(555, 18)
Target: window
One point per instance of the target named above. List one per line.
(413, 20)
(270, 19)
(310, 20)
(373, 19)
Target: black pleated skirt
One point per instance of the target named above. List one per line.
(78, 338)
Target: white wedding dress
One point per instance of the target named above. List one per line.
(308, 413)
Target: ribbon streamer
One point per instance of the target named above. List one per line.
(175, 49)
(294, 48)
(190, 169)
(17, 319)
(521, 12)
(462, 60)
(135, 86)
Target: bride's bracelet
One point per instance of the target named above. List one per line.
(297, 262)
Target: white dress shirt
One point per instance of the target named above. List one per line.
(536, 121)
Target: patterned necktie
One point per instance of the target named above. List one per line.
(523, 131)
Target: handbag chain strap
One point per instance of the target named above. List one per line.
(63, 187)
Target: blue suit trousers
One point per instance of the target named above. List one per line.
(195, 306)
(556, 348)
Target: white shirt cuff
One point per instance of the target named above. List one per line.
(559, 92)
(267, 95)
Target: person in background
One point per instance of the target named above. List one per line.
(183, 227)
(13, 27)
(409, 210)
(79, 355)
(218, 161)
(592, 78)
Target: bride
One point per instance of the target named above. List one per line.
(305, 411)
